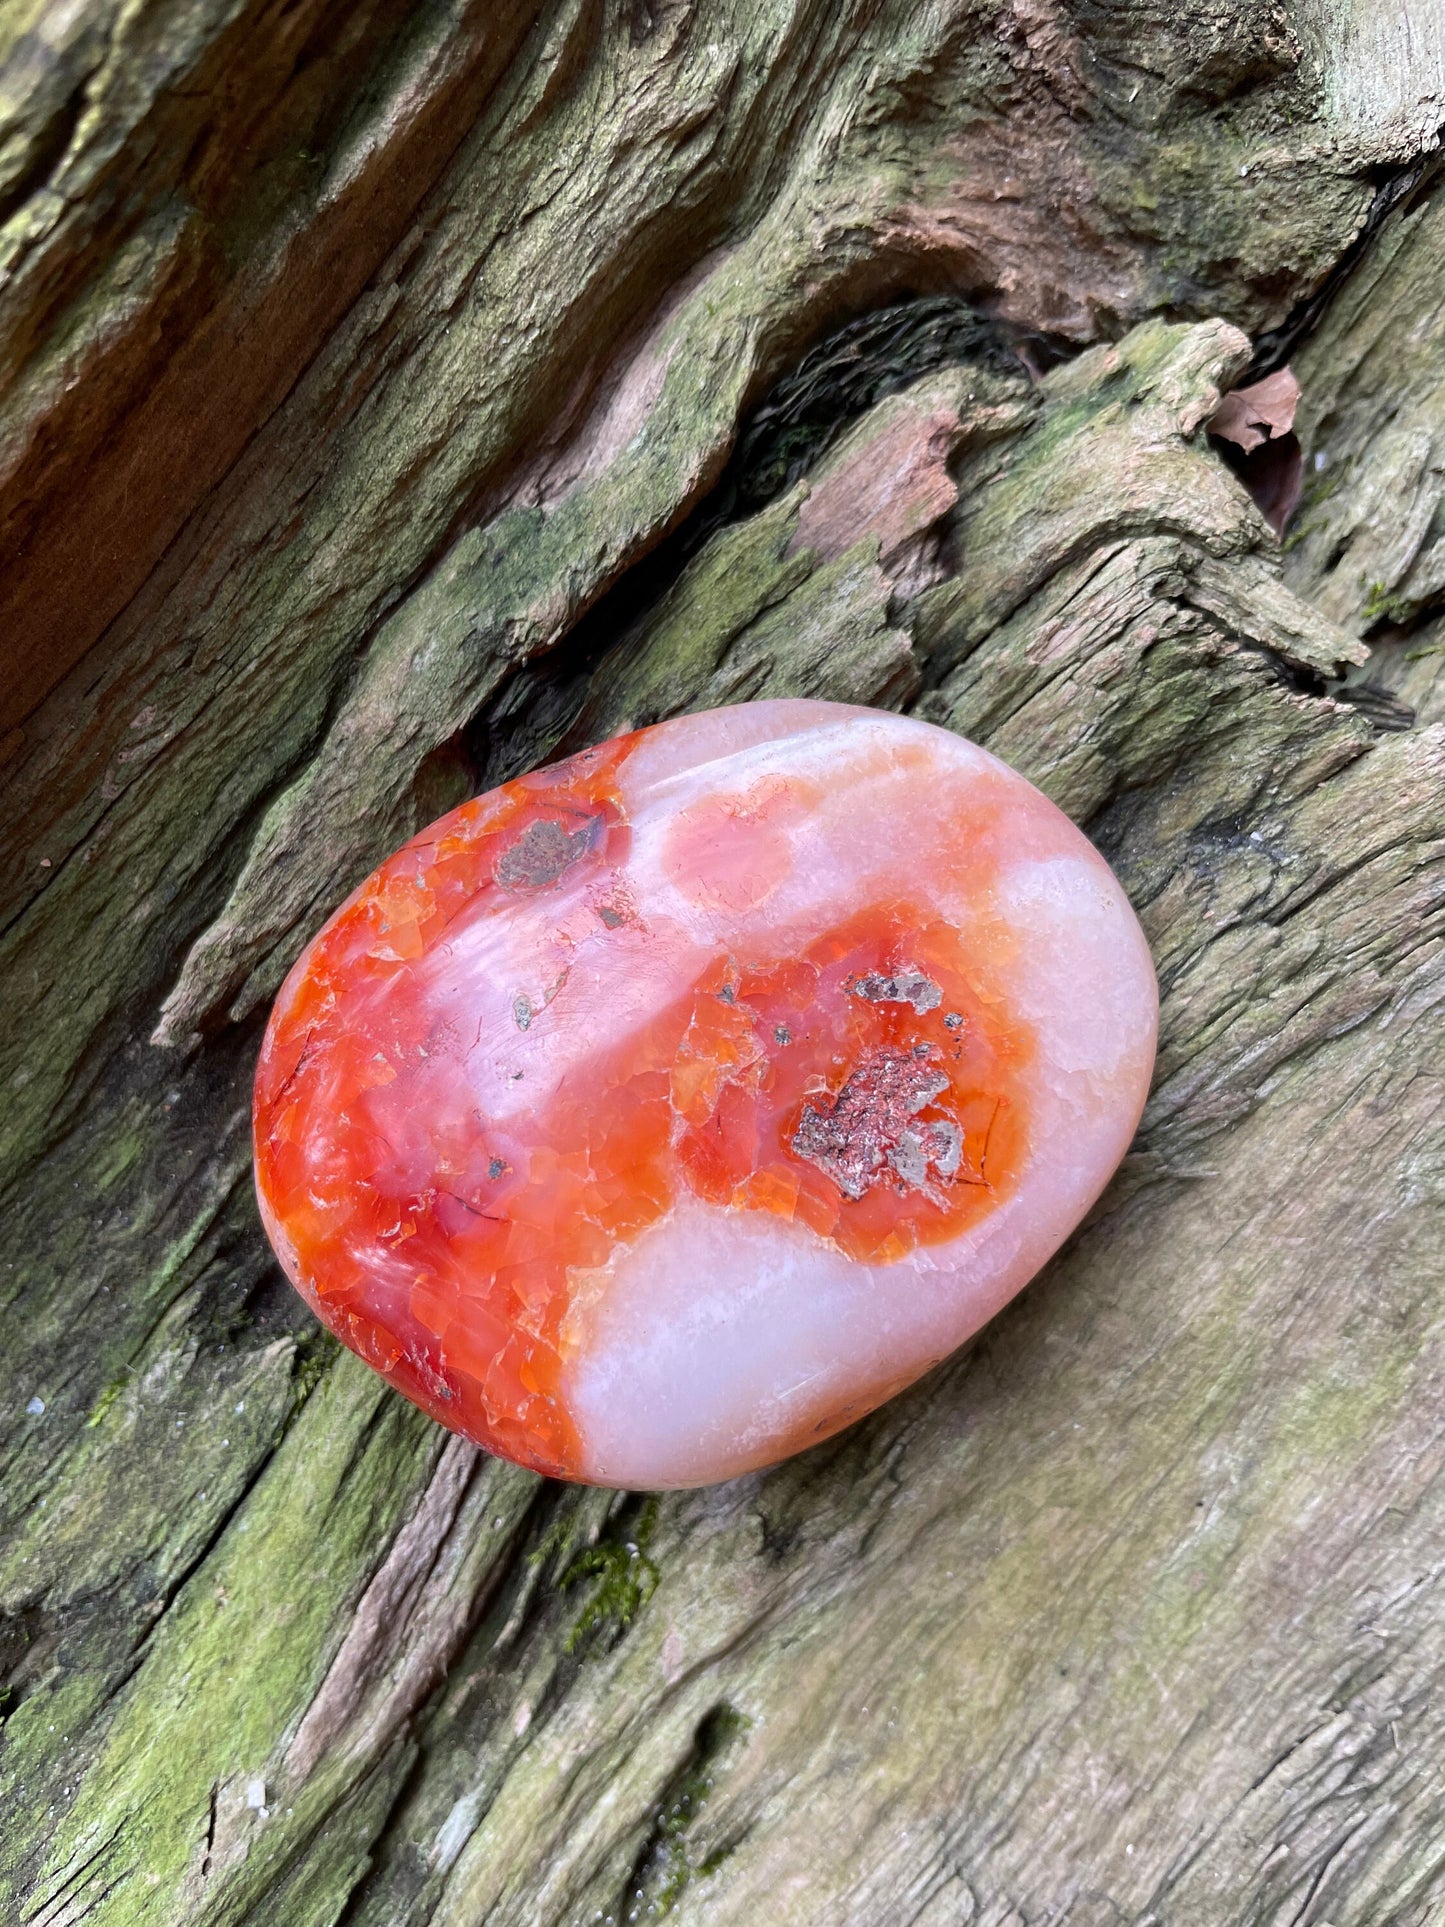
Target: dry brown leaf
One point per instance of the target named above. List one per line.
(1252, 415)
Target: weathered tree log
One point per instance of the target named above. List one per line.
(396, 395)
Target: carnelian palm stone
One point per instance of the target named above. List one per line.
(655, 1115)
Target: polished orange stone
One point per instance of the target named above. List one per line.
(657, 1114)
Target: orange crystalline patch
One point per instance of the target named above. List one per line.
(808, 1096)
(622, 989)
(464, 1324)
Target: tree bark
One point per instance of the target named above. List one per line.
(397, 395)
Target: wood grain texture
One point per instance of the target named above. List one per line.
(395, 396)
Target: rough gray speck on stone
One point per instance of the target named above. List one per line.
(903, 987)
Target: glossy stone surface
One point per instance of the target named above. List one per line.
(657, 1114)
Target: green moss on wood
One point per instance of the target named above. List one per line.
(621, 1577)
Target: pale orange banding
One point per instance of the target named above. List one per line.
(732, 851)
